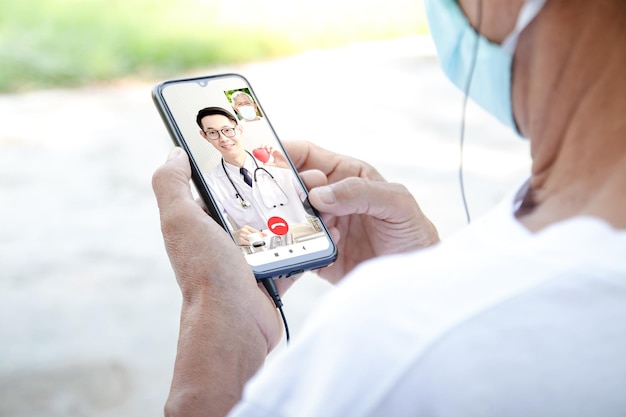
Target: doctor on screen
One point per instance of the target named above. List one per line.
(248, 191)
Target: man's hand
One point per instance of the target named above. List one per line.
(242, 235)
(367, 216)
(228, 324)
(278, 159)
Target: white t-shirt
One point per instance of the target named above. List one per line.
(495, 321)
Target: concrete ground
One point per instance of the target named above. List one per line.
(89, 306)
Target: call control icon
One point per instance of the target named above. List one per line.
(278, 225)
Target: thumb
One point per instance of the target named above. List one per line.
(170, 181)
(361, 196)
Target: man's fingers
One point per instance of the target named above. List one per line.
(307, 156)
(170, 181)
(313, 178)
(298, 152)
(358, 196)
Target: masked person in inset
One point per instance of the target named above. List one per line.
(522, 313)
(245, 106)
(248, 191)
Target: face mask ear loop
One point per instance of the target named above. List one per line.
(468, 85)
(529, 11)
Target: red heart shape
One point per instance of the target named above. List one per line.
(261, 154)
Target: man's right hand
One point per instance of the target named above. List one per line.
(367, 216)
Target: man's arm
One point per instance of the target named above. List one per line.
(228, 325)
(215, 358)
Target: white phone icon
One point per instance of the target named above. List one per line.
(275, 225)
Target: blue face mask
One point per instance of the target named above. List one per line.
(455, 40)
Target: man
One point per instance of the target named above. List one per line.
(248, 191)
(245, 106)
(522, 313)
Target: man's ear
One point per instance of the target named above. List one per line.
(203, 134)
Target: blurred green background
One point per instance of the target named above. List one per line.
(59, 43)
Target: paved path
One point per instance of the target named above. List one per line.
(88, 303)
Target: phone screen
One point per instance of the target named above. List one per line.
(244, 175)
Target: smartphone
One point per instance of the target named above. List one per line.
(243, 174)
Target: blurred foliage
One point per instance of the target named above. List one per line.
(51, 43)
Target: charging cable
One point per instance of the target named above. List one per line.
(269, 285)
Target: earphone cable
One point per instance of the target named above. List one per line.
(468, 85)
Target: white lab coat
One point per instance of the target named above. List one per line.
(261, 206)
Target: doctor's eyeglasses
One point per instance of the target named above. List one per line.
(213, 134)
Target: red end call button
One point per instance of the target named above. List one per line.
(278, 225)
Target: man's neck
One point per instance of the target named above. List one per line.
(575, 118)
(237, 160)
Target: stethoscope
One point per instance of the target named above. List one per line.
(245, 204)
